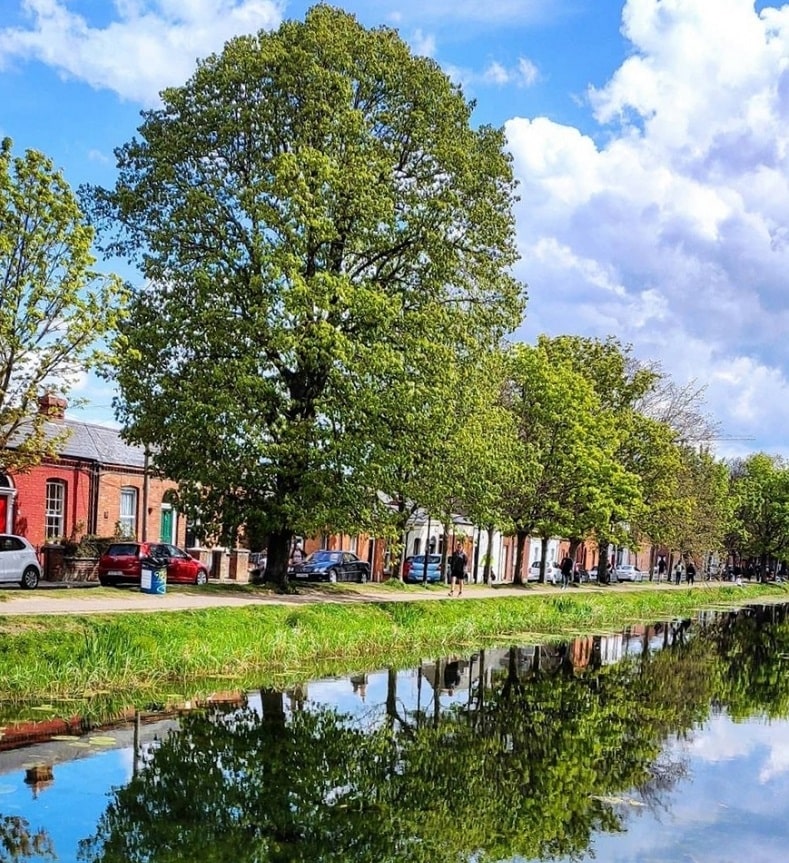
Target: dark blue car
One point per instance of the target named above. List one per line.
(332, 566)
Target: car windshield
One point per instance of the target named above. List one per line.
(124, 549)
(325, 557)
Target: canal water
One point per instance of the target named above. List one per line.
(667, 742)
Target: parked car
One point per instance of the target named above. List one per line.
(580, 574)
(332, 566)
(122, 563)
(613, 570)
(414, 569)
(18, 561)
(553, 572)
(628, 572)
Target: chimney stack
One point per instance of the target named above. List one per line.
(52, 407)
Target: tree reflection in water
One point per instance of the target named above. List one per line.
(530, 765)
(19, 842)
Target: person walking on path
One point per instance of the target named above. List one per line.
(566, 568)
(677, 573)
(690, 571)
(661, 568)
(457, 569)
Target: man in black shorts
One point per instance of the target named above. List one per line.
(457, 569)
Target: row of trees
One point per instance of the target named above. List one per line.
(320, 343)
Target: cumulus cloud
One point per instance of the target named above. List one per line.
(150, 45)
(667, 225)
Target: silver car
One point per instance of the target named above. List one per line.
(18, 561)
(628, 572)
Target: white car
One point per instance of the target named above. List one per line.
(628, 572)
(18, 561)
(553, 573)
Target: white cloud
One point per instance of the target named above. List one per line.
(423, 44)
(723, 741)
(496, 74)
(150, 45)
(528, 73)
(669, 228)
(525, 74)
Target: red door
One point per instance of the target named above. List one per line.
(3, 512)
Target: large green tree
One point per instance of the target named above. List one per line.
(760, 492)
(571, 482)
(53, 305)
(320, 226)
(643, 447)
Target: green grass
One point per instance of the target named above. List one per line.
(148, 653)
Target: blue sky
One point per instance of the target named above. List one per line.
(650, 138)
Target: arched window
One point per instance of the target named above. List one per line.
(55, 517)
(128, 517)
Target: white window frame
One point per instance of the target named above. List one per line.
(55, 514)
(127, 521)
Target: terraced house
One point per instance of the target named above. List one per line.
(97, 485)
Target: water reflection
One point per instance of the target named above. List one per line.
(660, 743)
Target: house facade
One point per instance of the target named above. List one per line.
(97, 485)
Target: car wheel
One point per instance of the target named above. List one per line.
(331, 575)
(201, 577)
(30, 578)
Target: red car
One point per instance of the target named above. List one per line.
(122, 563)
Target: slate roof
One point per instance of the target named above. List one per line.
(100, 444)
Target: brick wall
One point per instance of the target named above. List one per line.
(29, 515)
(149, 513)
(30, 505)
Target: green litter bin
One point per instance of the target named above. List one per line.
(153, 576)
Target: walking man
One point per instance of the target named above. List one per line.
(566, 568)
(457, 569)
(690, 571)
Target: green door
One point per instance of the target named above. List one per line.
(166, 525)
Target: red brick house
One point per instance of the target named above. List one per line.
(98, 485)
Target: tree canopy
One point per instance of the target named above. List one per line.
(53, 305)
(320, 227)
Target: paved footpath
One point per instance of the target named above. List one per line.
(58, 599)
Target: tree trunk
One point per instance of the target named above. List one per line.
(391, 697)
(444, 551)
(488, 555)
(475, 564)
(517, 575)
(277, 558)
(543, 561)
(603, 574)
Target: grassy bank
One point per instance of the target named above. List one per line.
(78, 657)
